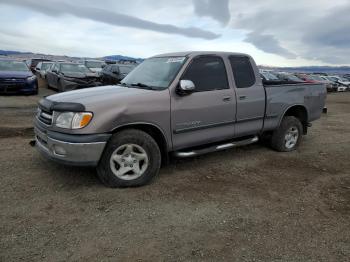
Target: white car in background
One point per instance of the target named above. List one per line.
(41, 69)
(344, 84)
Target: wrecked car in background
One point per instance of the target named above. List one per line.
(64, 76)
(114, 73)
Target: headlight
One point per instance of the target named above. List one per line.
(31, 78)
(71, 120)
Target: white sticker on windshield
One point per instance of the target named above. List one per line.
(175, 60)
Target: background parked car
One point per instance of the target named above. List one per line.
(347, 76)
(268, 76)
(289, 77)
(114, 73)
(94, 65)
(344, 84)
(331, 86)
(307, 78)
(32, 63)
(65, 76)
(41, 69)
(15, 77)
(334, 80)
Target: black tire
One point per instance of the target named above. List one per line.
(36, 89)
(278, 142)
(129, 136)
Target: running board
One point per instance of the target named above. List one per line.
(202, 151)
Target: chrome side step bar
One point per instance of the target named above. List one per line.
(202, 151)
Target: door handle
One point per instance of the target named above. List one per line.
(242, 97)
(227, 98)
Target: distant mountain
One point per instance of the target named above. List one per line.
(6, 52)
(121, 57)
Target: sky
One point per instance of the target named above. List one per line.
(274, 32)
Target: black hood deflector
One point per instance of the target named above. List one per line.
(50, 106)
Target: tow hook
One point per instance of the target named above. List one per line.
(32, 143)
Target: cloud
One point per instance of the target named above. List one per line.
(298, 33)
(268, 44)
(216, 9)
(317, 31)
(329, 37)
(55, 8)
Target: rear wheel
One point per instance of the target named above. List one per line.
(288, 136)
(131, 158)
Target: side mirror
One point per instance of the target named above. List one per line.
(54, 71)
(185, 87)
(103, 65)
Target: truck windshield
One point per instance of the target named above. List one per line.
(156, 72)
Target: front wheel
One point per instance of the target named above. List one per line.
(288, 136)
(131, 158)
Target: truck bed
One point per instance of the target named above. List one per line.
(279, 98)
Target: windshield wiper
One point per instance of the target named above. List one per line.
(144, 85)
(123, 84)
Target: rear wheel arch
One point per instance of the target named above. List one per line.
(300, 112)
(155, 132)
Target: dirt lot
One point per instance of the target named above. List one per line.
(246, 204)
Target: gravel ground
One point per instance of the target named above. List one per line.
(245, 204)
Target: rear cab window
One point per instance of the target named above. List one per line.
(243, 72)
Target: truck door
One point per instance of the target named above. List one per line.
(207, 115)
(250, 95)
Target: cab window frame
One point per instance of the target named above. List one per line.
(250, 67)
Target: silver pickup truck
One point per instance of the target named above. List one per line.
(182, 104)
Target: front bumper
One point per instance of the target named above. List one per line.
(77, 150)
(72, 85)
(19, 87)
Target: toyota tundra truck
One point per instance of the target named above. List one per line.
(178, 104)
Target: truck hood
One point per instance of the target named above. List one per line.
(89, 97)
(15, 74)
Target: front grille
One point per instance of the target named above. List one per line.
(85, 81)
(11, 81)
(11, 85)
(45, 116)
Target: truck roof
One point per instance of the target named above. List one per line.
(195, 53)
